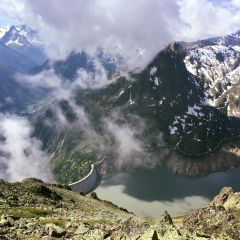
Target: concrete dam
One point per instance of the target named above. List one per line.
(90, 182)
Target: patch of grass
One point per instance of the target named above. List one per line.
(178, 220)
(93, 222)
(28, 237)
(151, 221)
(58, 222)
(26, 212)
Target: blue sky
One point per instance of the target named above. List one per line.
(6, 21)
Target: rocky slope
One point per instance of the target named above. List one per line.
(33, 209)
(216, 62)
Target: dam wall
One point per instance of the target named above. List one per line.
(90, 182)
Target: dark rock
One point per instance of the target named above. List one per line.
(107, 235)
(55, 231)
(47, 192)
(2, 237)
(166, 218)
(94, 196)
(202, 235)
(155, 236)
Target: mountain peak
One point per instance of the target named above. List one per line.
(19, 35)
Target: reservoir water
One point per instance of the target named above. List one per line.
(150, 192)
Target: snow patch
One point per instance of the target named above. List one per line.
(122, 92)
(153, 70)
(156, 81)
(14, 42)
(173, 130)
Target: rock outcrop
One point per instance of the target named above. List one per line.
(33, 209)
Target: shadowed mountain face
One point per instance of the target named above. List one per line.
(15, 60)
(14, 96)
(167, 104)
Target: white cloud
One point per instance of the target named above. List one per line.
(91, 80)
(63, 90)
(20, 153)
(125, 140)
(129, 147)
(85, 25)
(235, 3)
(50, 80)
(45, 79)
(208, 18)
(142, 28)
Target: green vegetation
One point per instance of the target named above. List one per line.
(58, 222)
(24, 212)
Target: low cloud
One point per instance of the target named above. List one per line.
(130, 147)
(92, 80)
(123, 135)
(20, 153)
(208, 18)
(84, 79)
(45, 79)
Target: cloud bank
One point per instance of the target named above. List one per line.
(207, 18)
(136, 29)
(20, 154)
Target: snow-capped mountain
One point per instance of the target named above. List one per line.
(216, 61)
(20, 36)
(22, 44)
(228, 40)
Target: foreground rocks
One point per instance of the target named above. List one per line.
(35, 210)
